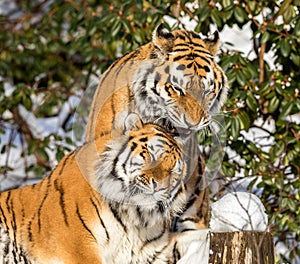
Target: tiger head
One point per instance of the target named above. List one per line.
(181, 85)
(143, 166)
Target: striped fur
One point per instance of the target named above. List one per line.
(174, 82)
(125, 218)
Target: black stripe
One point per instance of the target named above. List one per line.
(197, 45)
(194, 34)
(187, 229)
(204, 58)
(7, 201)
(176, 254)
(117, 217)
(29, 230)
(65, 162)
(143, 139)
(42, 203)
(139, 213)
(3, 219)
(100, 219)
(190, 202)
(61, 201)
(82, 221)
(133, 146)
(179, 57)
(160, 235)
(157, 254)
(181, 49)
(181, 44)
(181, 37)
(13, 222)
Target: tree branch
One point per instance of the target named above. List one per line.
(24, 128)
(261, 63)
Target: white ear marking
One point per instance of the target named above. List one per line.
(132, 122)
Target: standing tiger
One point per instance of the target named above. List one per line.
(174, 82)
(64, 220)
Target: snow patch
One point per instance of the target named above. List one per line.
(238, 211)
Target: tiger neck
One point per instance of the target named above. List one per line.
(113, 113)
(141, 216)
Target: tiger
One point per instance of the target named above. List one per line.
(63, 219)
(173, 81)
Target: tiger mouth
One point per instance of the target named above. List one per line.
(175, 131)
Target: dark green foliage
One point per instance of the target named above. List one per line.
(49, 50)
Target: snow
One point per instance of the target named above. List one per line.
(238, 211)
(198, 252)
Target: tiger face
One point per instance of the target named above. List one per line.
(173, 81)
(185, 86)
(143, 167)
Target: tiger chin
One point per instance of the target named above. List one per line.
(124, 217)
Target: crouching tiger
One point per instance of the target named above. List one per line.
(126, 219)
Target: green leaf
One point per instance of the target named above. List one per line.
(297, 28)
(296, 59)
(235, 128)
(286, 109)
(252, 70)
(279, 148)
(252, 147)
(251, 101)
(291, 205)
(27, 102)
(283, 7)
(244, 120)
(239, 14)
(285, 47)
(226, 3)
(240, 77)
(59, 155)
(205, 11)
(265, 37)
(284, 202)
(116, 28)
(252, 5)
(43, 153)
(288, 14)
(265, 89)
(216, 18)
(273, 104)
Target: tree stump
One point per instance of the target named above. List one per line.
(241, 248)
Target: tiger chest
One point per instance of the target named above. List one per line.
(122, 242)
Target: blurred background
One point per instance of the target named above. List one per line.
(52, 54)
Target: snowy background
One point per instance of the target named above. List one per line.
(231, 38)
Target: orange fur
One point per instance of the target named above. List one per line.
(116, 97)
(64, 219)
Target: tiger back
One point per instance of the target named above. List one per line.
(126, 219)
(175, 82)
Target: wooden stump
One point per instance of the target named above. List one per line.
(241, 248)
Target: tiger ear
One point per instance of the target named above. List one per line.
(212, 43)
(162, 38)
(133, 122)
